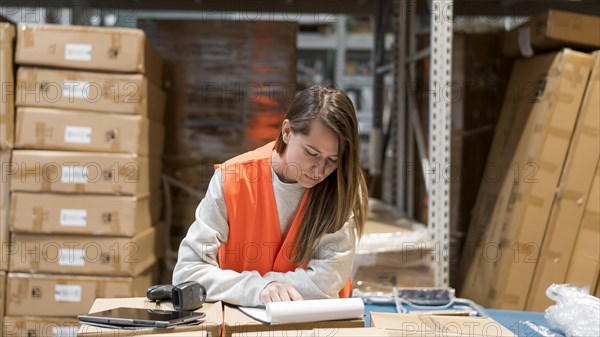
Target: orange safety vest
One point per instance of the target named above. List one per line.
(255, 241)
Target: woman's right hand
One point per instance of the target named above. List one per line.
(279, 292)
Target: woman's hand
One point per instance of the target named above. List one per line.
(279, 292)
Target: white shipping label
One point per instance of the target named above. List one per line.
(78, 134)
(78, 52)
(67, 293)
(64, 331)
(74, 175)
(76, 89)
(71, 257)
(73, 217)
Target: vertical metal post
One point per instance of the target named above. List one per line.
(410, 153)
(340, 56)
(377, 59)
(401, 105)
(439, 134)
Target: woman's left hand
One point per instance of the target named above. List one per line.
(279, 292)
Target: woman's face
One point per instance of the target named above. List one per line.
(309, 159)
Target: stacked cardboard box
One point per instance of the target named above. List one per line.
(7, 112)
(530, 223)
(548, 31)
(530, 215)
(553, 29)
(569, 252)
(85, 175)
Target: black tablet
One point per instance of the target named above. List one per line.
(131, 317)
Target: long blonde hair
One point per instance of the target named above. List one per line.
(343, 192)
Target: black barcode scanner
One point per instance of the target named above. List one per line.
(185, 296)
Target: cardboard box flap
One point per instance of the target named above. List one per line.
(180, 334)
(405, 322)
(287, 333)
(339, 332)
(431, 325)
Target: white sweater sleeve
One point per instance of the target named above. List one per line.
(326, 273)
(328, 270)
(197, 258)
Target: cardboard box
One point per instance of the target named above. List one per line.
(180, 334)
(430, 325)
(79, 214)
(5, 159)
(7, 82)
(125, 50)
(213, 320)
(77, 90)
(584, 266)
(51, 129)
(334, 332)
(84, 172)
(77, 255)
(47, 295)
(516, 108)
(39, 326)
(286, 333)
(236, 322)
(504, 264)
(553, 29)
(571, 198)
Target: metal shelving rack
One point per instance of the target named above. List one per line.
(439, 135)
(435, 166)
(439, 85)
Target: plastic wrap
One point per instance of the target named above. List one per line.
(576, 313)
(393, 252)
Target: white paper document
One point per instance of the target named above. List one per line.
(307, 311)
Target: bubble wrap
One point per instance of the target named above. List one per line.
(576, 313)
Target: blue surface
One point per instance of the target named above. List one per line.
(512, 320)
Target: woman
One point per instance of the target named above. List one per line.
(280, 223)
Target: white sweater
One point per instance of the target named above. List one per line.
(326, 273)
